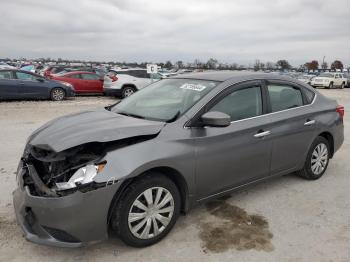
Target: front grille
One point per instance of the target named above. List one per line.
(60, 235)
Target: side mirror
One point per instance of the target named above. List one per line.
(216, 119)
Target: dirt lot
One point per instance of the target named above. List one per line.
(286, 219)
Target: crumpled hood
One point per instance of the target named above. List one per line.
(90, 126)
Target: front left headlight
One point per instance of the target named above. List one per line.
(83, 175)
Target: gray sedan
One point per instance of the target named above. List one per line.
(135, 166)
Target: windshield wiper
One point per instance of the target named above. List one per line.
(131, 115)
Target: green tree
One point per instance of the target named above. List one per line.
(337, 64)
(283, 64)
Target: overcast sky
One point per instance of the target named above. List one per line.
(157, 30)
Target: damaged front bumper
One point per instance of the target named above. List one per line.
(74, 220)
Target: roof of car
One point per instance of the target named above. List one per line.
(222, 76)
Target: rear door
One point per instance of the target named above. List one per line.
(92, 83)
(8, 85)
(31, 86)
(293, 125)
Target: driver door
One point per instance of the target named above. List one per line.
(30, 86)
(227, 157)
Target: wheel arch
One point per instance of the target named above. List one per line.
(327, 135)
(174, 175)
(129, 85)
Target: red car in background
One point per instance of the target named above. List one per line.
(83, 82)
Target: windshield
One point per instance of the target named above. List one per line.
(165, 100)
(326, 75)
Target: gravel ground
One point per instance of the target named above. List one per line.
(285, 219)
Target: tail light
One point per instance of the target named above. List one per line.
(114, 78)
(340, 110)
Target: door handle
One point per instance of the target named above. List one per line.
(262, 134)
(309, 122)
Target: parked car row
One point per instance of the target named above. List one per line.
(120, 82)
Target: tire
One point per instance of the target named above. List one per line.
(127, 204)
(309, 172)
(330, 85)
(57, 94)
(342, 85)
(128, 91)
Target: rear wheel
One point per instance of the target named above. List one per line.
(57, 94)
(128, 91)
(317, 160)
(147, 211)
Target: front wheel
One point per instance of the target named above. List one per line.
(330, 86)
(342, 86)
(317, 160)
(57, 94)
(147, 211)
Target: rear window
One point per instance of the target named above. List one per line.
(75, 76)
(309, 95)
(89, 76)
(284, 97)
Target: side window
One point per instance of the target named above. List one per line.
(90, 76)
(140, 73)
(241, 104)
(75, 76)
(309, 95)
(6, 75)
(24, 76)
(284, 97)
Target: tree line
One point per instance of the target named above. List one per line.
(211, 63)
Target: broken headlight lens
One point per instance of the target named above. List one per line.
(83, 175)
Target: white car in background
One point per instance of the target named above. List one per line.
(306, 78)
(329, 80)
(125, 82)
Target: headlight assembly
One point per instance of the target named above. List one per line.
(83, 175)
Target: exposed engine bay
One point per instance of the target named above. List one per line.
(46, 172)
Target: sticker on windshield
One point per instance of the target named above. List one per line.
(195, 87)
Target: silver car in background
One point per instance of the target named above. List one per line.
(133, 167)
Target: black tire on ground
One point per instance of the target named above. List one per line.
(125, 205)
(330, 85)
(307, 171)
(128, 91)
(57, 94)
(342, 85)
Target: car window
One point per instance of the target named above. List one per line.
(75, 76)
(241, 104)
(89, 77)
(166, 99)
(309, 95)
(284, 97)
(25, 76)
(5, 75)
